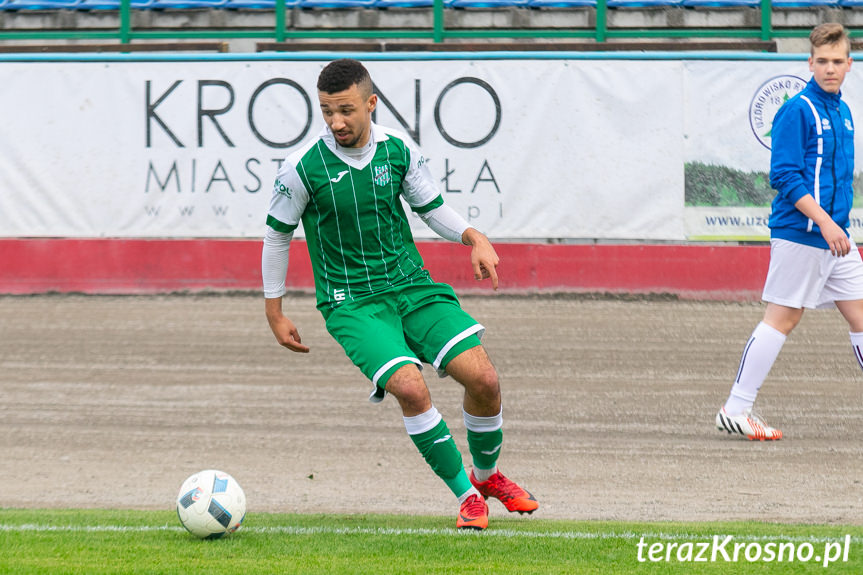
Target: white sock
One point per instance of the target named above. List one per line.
(857, 346)
(423, 422)
(483, 474)
(483, 424)
(472, 491)
(758, 356)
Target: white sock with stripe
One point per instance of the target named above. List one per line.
(857, 346)
(758, 357)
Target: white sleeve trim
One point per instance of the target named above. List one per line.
(445, 222)
(274, 262)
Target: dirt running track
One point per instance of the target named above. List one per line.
(608, 409)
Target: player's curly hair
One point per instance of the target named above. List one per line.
(341, 74)
(828, 34)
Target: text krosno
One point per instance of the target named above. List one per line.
(730, 551)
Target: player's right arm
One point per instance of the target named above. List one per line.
(286, 208)
(790, 136)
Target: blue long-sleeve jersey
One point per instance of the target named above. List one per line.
(812, 153)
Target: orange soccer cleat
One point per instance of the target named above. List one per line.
(473, 514)
(513, 497)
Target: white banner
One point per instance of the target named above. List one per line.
(569, 149)
(523, 149)
(729, 116)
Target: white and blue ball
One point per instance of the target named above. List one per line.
(211, 504)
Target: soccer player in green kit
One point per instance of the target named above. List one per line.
(378, 302)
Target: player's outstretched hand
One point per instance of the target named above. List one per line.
(287, 335)
(483, 258)
(283, 328)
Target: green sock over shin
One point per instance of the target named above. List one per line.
(485, 447)
(440, 452)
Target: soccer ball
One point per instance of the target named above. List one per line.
(211, 504)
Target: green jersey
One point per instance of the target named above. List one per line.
(349, 201)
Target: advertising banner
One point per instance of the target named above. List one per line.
(522, 149)
(546, 149)
(729, 116)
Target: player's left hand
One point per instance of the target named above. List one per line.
(483, 258)
(836, 239)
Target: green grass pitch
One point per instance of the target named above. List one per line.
(91, 542)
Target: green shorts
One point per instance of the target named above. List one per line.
(408, 324)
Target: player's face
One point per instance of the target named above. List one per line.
(349, 115)
(829, 64)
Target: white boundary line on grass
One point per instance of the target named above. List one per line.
(505, 533)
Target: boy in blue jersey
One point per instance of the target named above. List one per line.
(813, 261)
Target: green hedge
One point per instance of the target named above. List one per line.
(709, 185)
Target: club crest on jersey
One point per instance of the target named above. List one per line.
(381, 175)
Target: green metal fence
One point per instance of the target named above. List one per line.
(438, 33)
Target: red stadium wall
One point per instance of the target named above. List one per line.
(142, 266)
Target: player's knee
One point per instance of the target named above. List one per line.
(781, 318)
(408, 387)
(485, 386)
(414, 402)
(784, 325)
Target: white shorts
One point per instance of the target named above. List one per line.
(802, 276)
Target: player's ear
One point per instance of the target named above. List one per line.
(372, 103)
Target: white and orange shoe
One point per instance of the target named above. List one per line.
(746, 424)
